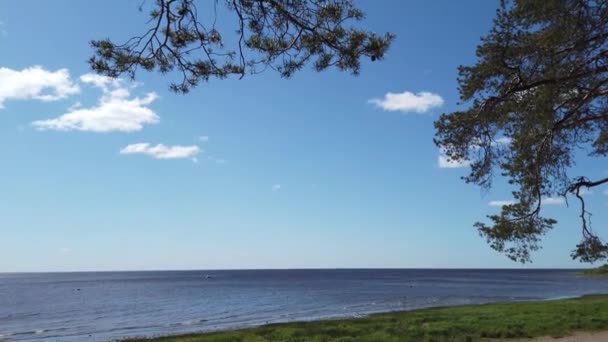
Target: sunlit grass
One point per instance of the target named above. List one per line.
(460, 323)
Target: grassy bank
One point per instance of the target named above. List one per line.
(599, 272)
(460, 323)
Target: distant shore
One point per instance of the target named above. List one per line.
(598, 272)
(587, 317)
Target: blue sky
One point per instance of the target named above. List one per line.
(255, 173)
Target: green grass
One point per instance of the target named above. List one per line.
(459, 323)
(599, 272)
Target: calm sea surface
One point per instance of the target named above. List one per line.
(109, 305)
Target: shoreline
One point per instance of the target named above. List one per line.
(206, 302)
(516, 321)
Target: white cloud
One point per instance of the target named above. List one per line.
(276, 187)
(408, 102)
(116, 110)
(502, 141)
(203, 138)
(64, 250)
(75, 106)
(35, 83)
(446, 163)
(100, 81)
(553, 200)
(161, 151)
(545, 201)
(500, 203)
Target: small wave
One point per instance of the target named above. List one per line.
(25, 333)
(356, 306)
(5, 336)
(20, 316)
(224, 317)
(559, 297)
(193, 321)
(188, 322)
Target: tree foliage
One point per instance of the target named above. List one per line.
(283, 35)
(540, 83)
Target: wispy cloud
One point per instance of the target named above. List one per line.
(553, 201)
(35, 83)
(407, 101)
(216, 160)
(276, 187)
(444, 162)
(65, 250)
(545, 201)
(500, 203)
(203, 138)
(161, 151)
(585, 192)
(115, 111)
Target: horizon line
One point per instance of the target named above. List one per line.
(297, 269)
